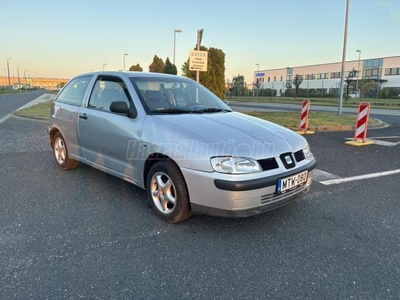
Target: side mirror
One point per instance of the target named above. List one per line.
(121, 107)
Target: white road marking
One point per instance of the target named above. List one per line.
(380, 142)
(361, 177)
(5, 118)
(320, 175)
(386, 137)
(384, 143)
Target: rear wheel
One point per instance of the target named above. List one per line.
(167, 192)
(60, 151)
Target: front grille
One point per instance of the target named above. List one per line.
(272, 198)
(299, 155)
(268, 164)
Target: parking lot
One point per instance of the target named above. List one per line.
(85, 234)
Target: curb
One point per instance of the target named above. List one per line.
(17, 115)
(40, 99)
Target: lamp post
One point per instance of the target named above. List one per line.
(104, 66)
(125, 54)
(358, 71)
(25, 78)
(8, 70)
(19, 81)
(343, 58)
(175, 31)
(258, 71)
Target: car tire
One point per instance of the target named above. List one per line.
(60, 152)
(167, 192)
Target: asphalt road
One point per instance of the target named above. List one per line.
(11, 102)
(85, 234)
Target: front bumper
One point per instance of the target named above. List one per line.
(224, 195)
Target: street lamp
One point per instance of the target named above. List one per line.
(358, 71)
(8, 70)
(104, 66)
(175, 31)
(258, 83)
(25, 78)
(125, 54)
(343, 58)
(19, 81)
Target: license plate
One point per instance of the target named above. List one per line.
(292, 182)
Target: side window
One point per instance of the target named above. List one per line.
(73, 92)
(106, 90)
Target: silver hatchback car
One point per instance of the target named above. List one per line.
(173, 137)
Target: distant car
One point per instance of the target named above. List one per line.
(173, 137)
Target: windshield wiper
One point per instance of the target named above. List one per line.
(170, 111)
(211, 110)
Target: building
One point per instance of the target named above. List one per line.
(31, 82)
(326, 77)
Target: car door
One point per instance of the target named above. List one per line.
(66, 109)
(108, 138)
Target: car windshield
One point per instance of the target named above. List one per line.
(176, 95)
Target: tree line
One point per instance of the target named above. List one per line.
(213, 79)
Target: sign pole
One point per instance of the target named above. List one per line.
(199, 34)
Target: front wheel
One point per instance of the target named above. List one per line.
(60, 152)
(167, 192)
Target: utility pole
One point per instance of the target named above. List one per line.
(175, 31)
(8, 70)
(19, 81)
(343, 58)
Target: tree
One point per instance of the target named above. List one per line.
(349, 79)
(365, 87)
(258, 84)
(297, 80)
(239, 84)
(169, 68)
(230, 86)
(157, 66)
(214, 78)
(137, 68)
(385, 92)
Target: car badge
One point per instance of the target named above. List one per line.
(288, 159)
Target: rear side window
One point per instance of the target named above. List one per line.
(73, 92)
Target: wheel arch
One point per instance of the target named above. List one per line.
(150, 161)
(154, 158)
(52, 133)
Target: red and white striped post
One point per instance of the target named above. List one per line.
(305, 109)
(362, 122)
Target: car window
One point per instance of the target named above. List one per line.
(73, 92)
(176, 95)
(106, 90)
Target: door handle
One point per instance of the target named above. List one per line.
(83, 116)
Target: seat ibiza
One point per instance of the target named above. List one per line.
(174, 138)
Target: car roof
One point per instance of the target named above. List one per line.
(131, 74)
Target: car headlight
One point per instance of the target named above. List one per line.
(235, 165)
(306, 151)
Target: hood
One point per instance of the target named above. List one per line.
(223, 133)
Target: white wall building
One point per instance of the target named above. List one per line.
(327, 76)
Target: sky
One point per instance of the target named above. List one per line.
(61, 39)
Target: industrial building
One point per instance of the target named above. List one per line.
(326, 77)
